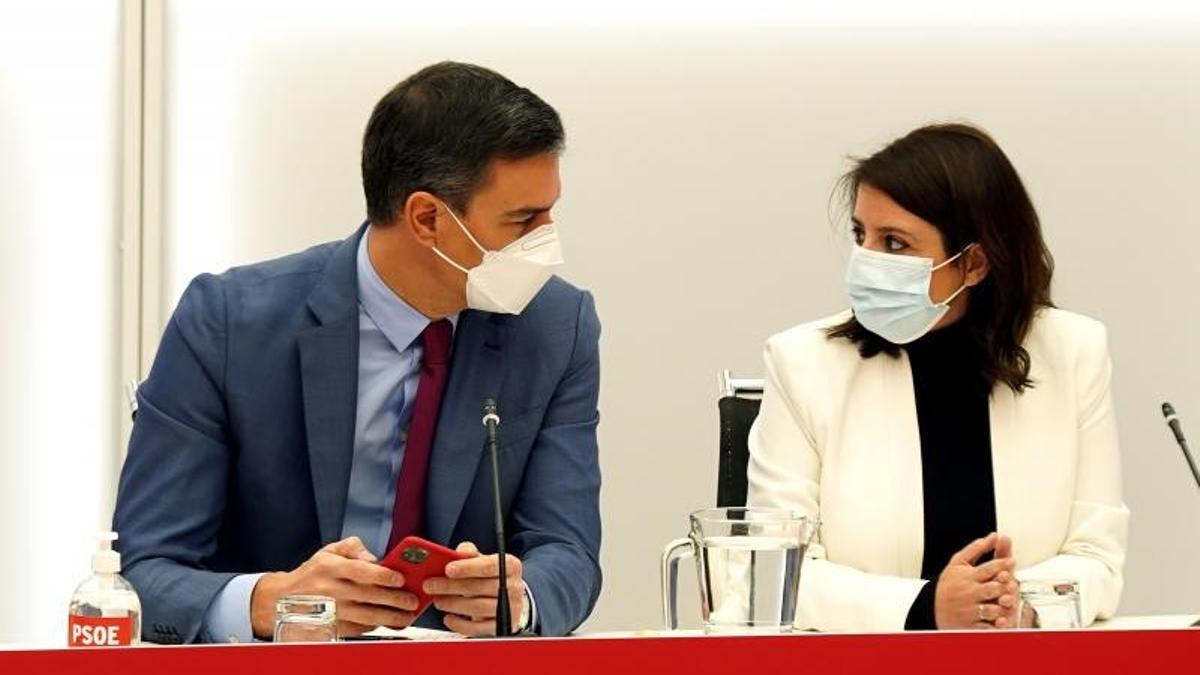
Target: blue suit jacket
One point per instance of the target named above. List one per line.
(240, 457)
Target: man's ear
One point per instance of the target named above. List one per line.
(977, 265)
(420, 216)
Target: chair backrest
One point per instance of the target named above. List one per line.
(738, 407)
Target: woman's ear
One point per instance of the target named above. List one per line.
(420, 217)
(977, 265)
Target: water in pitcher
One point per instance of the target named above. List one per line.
(749, 583)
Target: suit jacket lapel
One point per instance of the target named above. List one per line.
(329, 376)
(475, 374)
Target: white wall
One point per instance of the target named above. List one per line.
(702, 148)
(59, 222)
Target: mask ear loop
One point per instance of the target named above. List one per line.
(962, 288)
(453, 264)
(952, 258)
(467, 232)
(953, 295)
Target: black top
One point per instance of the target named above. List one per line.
(956, 454)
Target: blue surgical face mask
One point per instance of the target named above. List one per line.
(890, 293)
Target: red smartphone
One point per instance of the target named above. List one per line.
(418, 560)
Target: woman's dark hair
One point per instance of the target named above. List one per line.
(955, 177)
(439, 130)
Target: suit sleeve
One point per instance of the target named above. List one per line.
(785, 471)
(1093, 551)
(556, 515)
(171, 495)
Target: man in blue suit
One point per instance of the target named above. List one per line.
(304, 414)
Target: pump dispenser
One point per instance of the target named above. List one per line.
(105, 610)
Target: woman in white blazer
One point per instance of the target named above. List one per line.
(953, 430)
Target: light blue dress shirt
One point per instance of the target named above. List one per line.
(389, 369)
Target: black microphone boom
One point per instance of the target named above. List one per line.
(1173, 421)
(1168, 412)
(491, 420)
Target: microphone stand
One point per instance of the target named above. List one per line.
(1168, 412)
(491, 421)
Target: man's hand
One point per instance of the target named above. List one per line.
(367, 594)
(467, 594)
(983, 596)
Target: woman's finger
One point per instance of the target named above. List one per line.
(990, 612)
(992, 569)
(989, 591)
(974, 550)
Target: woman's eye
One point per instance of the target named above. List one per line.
(893, 244)
(858, 236)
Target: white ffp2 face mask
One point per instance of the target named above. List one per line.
(507, 280)
(890, 293)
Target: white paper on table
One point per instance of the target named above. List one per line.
(1147, 622)
(417, 633)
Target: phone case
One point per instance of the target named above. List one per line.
(418, 560)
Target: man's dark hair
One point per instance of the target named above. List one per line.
(957, 178)
(438, 130)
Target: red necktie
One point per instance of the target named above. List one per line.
(409, 508)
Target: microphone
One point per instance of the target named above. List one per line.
(1168, 411)
(131, 388)
(491, 421)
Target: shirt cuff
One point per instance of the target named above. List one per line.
(921, 614)
(531, 626)
(228, 617)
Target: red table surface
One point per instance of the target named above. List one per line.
(968, 653)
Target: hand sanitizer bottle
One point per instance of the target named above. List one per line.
(105, 610)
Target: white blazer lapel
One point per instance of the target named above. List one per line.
(907, 481)
(1007, 461)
